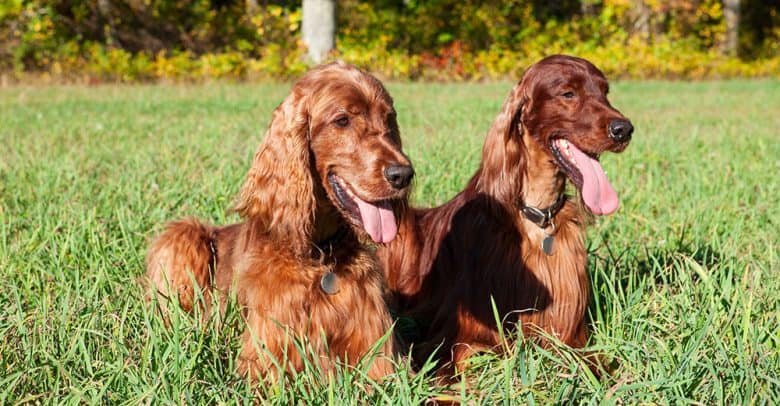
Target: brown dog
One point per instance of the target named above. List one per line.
(329, 173)
(512, 236)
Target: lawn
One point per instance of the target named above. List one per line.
(685, 274)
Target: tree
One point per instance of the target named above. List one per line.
(319, 27)
(731, 14)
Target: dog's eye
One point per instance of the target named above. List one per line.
(341, 122)
(568, 95)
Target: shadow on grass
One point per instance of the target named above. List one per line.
(645, 261)
(669, 265)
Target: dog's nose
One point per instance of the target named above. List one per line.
(620, 130)
(399, 175)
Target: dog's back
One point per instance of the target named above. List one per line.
(190, 260)
(179, 262)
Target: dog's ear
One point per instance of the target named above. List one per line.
(503, 154)
(278, 194)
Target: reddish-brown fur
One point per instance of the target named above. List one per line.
(295, 230)
(448, 262)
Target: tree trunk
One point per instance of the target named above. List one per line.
(641, 16)
(319, 27)
(251, 7)
(731, 14)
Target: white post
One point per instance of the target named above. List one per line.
(319, 28)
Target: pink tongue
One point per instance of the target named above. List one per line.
(378, 221)
(597, 193)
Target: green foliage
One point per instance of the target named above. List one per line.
(437, 40)
(684, 275)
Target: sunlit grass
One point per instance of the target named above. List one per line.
(685, 274)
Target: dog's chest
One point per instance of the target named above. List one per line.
(559, 270)
(345, 292)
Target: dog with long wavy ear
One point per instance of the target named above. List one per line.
(513, 238)
(329, 178)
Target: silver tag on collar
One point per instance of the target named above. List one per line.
(330, 283)
(547, 244)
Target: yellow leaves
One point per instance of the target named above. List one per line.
(617, 3)
(712, 9)
(274, 23)
(296, 16)
(10, 8)
(257, 20)
(632, 58)
(224, 65)
(491, 42)
(294, 20)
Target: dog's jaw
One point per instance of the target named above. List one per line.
(377, 219)
(587, 175)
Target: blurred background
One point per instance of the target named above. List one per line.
(180, 40)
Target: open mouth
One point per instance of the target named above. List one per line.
(376, 218)
(588, 176)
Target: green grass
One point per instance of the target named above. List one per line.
(685, 274)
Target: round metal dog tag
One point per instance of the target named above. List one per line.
(330, 283)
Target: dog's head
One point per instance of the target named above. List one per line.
(562, 105)
(333, 146)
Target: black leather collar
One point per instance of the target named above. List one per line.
(324, 247)
(329, 282)
(543, 217)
